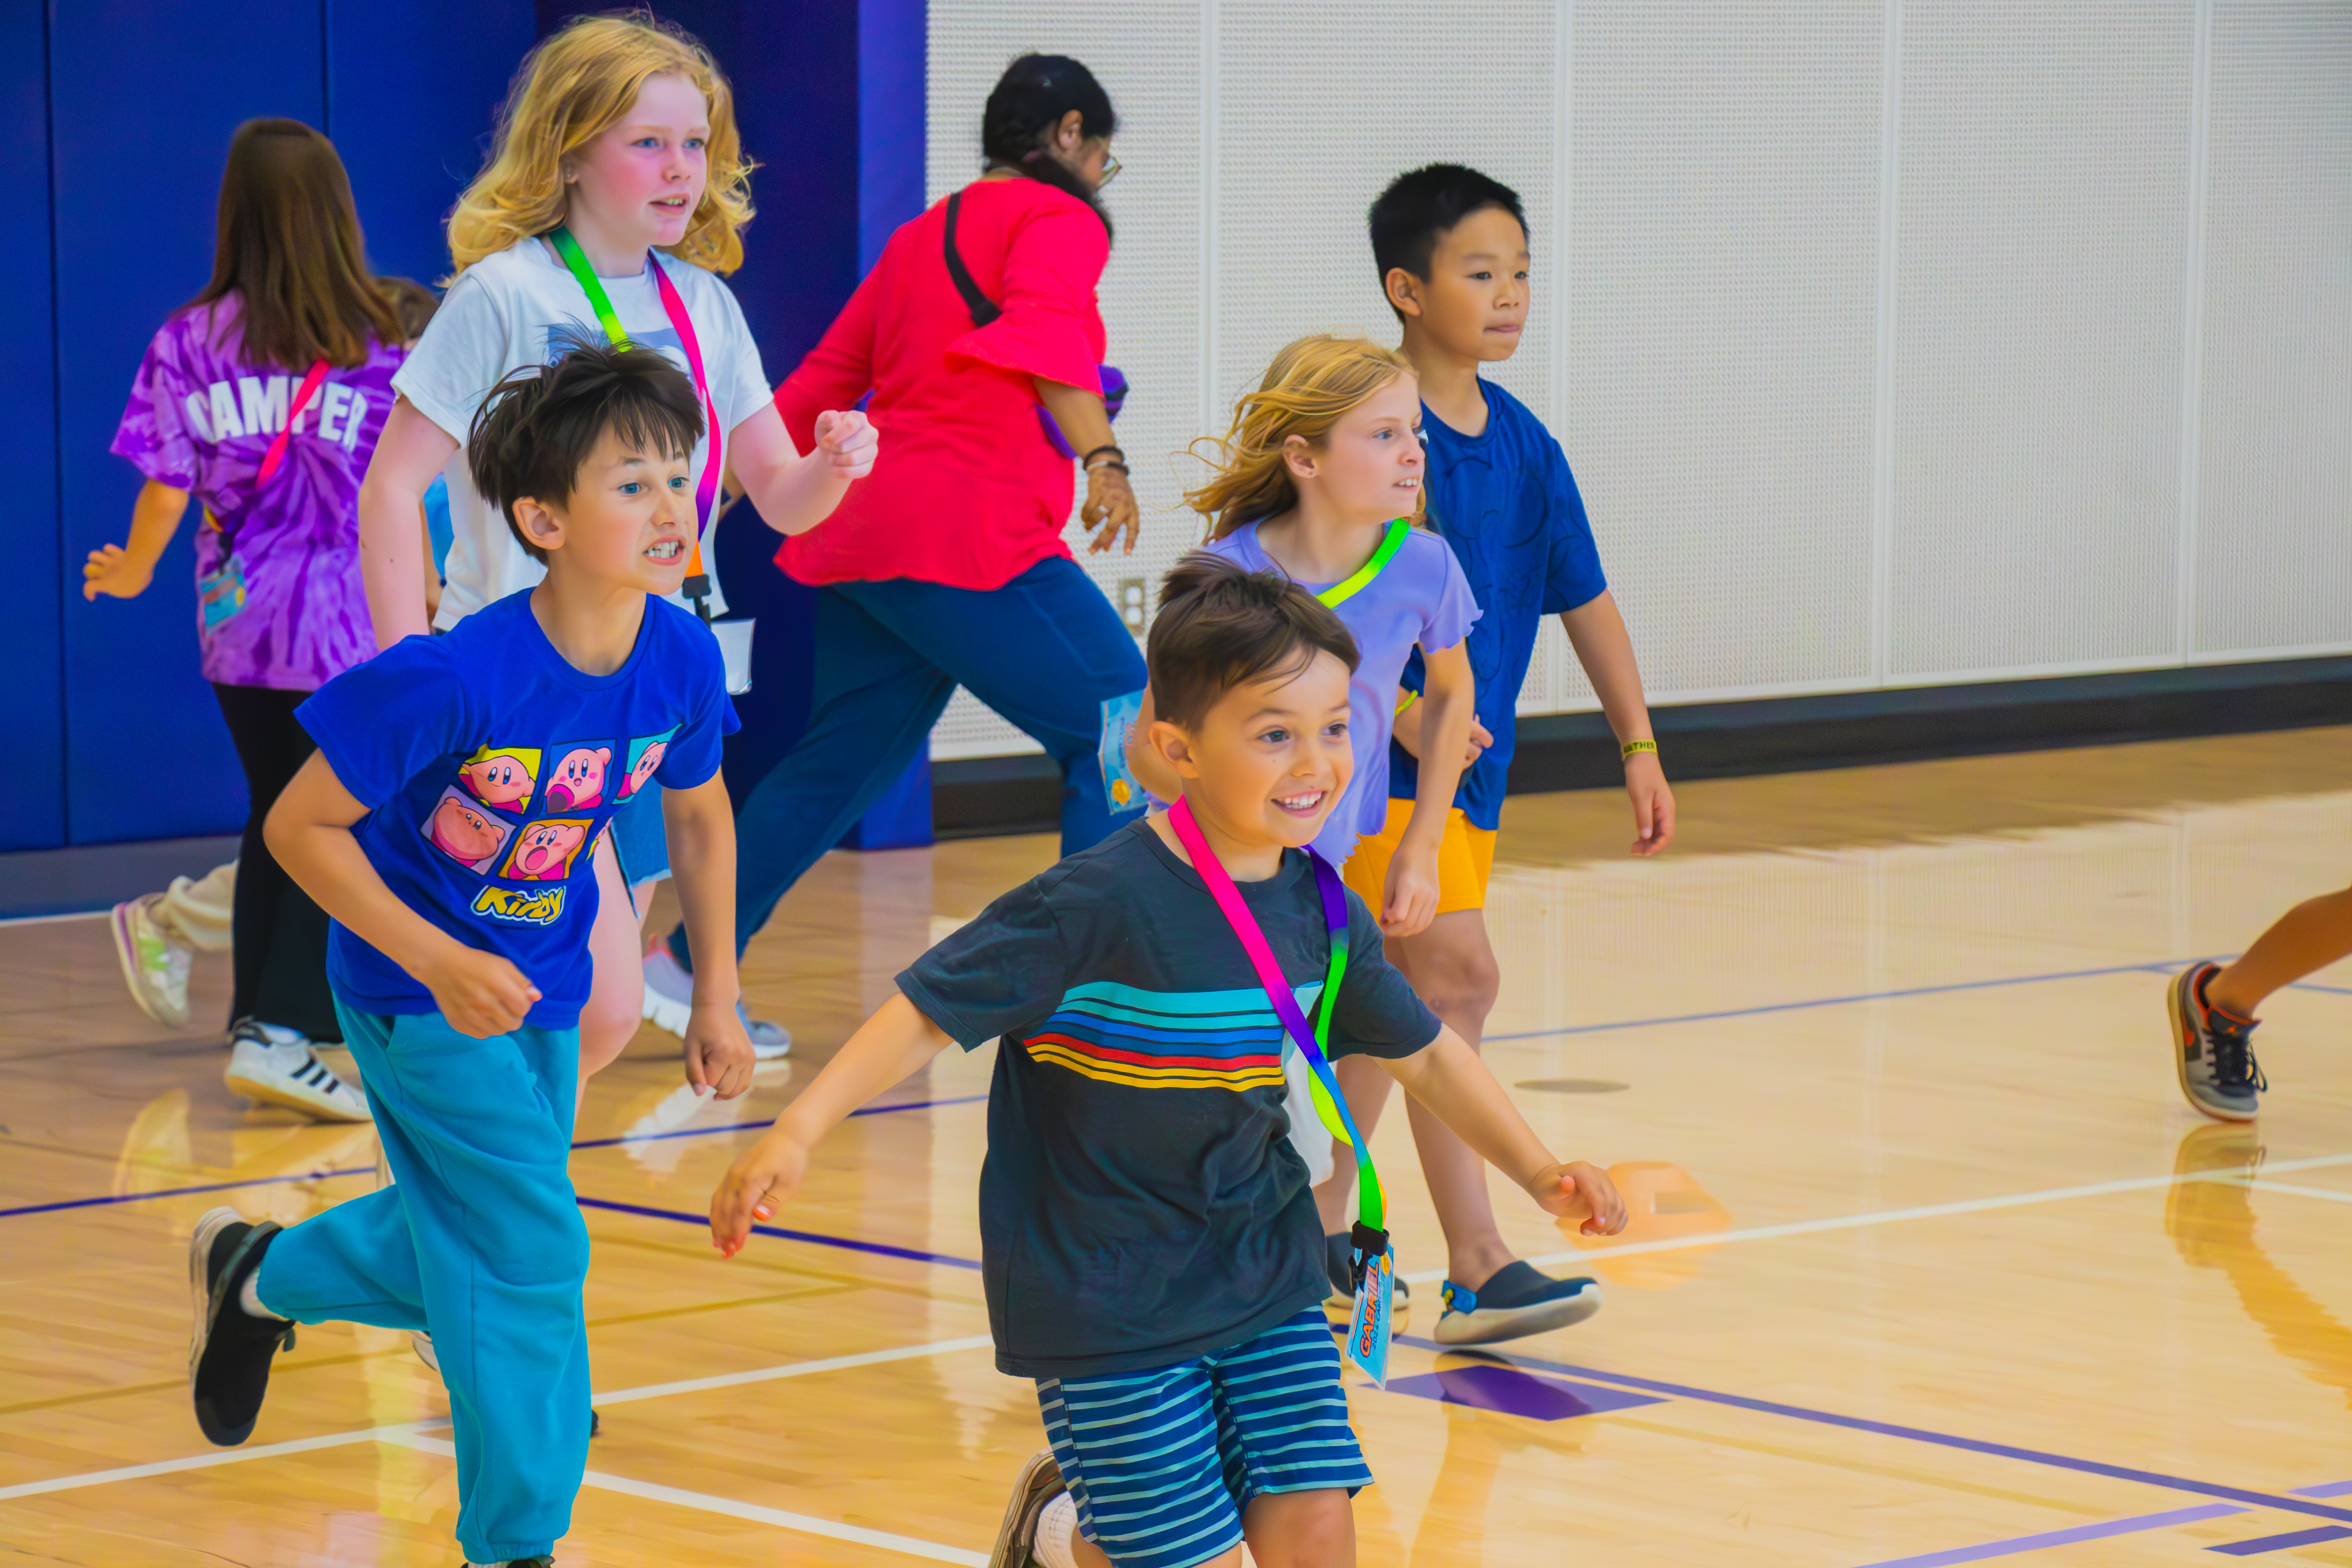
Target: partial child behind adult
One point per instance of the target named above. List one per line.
(459, 959)
(1452, 248)
(619, 140)
(262, 399)
(1151, 1252)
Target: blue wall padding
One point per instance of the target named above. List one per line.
(32, 592)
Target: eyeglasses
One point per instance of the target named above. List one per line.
(1110, 171)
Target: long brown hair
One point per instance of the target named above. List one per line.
(577, 84)
(1307, 390)
(289, 248)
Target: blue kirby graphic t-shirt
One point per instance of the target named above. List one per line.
(490, 765)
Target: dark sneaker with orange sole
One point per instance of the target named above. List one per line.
(2212, 1050)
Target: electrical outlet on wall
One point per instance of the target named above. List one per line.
(1131, 604)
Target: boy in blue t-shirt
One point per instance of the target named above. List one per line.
(1451, 250)
(1147, 1239)
(446, 823)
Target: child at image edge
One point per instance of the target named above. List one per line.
(1452, 248)
(462, 890)
(1150, 1251)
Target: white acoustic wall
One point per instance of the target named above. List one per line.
(1892, 342)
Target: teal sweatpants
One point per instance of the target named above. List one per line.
(479, 1241)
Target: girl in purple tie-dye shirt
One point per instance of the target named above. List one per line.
(262, 399)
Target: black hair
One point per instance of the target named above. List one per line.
(1419, 206)
(1221, 626)
(539, 425)
(1028, 100)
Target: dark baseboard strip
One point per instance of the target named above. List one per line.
(1844, 730)
(101, 876)
(1798, 735)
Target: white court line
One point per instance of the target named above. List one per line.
(1926, 1211)
(804, 1523)
(53, 919)
(219, 1456)
(2264, 1185)
(412, 1428)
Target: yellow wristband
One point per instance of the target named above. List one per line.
(1630, 748)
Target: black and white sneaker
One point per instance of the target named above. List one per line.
(1516, 1303)
(277, 1066)
(229, 1350)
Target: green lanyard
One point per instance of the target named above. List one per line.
(1391, 543)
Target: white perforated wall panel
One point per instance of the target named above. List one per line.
(2274, 542)
(1884, 335)
(1720, 375)
(2043, 229)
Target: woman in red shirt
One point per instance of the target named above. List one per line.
(946, 567)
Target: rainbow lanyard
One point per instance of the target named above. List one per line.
(1330, 1105)
(697, 585)
(1391, 543)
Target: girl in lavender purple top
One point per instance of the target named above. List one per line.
(1318, 460)
(280, 608)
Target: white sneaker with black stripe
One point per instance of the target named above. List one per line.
(277, 1066)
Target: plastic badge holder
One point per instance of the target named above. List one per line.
(1119, 715)
(1369, 1330)
(735, 647)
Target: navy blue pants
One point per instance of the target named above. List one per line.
(1045, 650)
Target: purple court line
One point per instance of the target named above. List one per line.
(370, 1170)
(2333, 1488)
(2061, 1537)
(880, 1248)
(741, 1126)
(2287, 1504)
(2262, 1544)
(2159, 968)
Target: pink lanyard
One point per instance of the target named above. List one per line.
(274, 459)
(697, 585)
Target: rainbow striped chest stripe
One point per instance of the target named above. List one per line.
(1167, 1040)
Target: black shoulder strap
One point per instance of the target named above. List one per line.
(984, 309)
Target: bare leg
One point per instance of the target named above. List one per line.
(616, 997)
(1301, 1530)
(2308, 937)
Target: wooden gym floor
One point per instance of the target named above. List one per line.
(1936, 1266)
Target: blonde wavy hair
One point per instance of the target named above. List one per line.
(1309, 388)
(572, 89)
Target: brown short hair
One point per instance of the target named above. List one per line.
(1221, 626)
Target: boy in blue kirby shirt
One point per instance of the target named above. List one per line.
(446, 824)
(1452, 248)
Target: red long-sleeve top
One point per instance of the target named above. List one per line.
(968, 491)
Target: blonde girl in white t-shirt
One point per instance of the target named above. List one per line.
(621, 134)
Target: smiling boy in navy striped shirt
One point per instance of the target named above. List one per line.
(1150, 1248)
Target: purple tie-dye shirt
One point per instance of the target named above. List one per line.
(279, 602)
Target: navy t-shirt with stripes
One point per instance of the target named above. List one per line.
(1141, 1203)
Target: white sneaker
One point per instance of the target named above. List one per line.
(154, 966)
(278, 1067)
(669, 1003)
(422, 1343)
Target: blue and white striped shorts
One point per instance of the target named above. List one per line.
(1162, 1462)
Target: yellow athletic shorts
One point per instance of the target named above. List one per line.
(1465, 859)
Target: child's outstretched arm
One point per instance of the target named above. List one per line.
(123, 571)
(309, 831)
(700, 825)
(1448, 1077)
(795, 493)
(1449, 703)
(1597, 631)
(897, 1040)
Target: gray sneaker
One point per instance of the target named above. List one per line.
(2212, 1050)
(669, 1003)
(1516, 1303)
